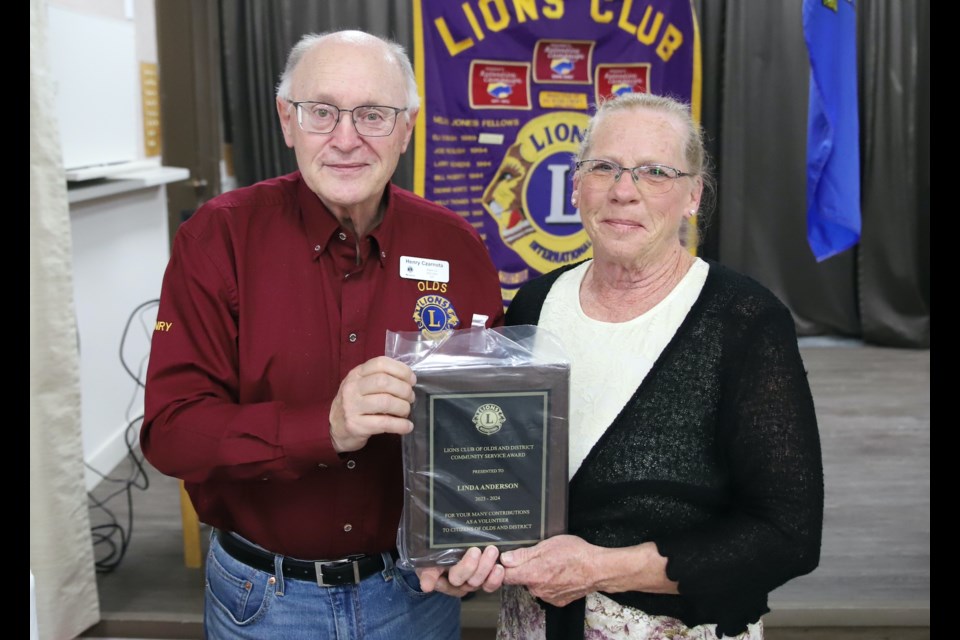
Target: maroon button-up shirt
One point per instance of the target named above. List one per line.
(267, 303)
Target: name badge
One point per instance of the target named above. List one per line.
(424, 269)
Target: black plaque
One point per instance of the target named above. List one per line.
(486, 463)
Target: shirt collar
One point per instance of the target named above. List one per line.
(321, 224)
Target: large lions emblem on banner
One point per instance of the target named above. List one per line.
(529, 195)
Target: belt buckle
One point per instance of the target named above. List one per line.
(354, 560)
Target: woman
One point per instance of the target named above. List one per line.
(696, 480)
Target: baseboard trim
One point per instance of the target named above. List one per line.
(107, 456)
(155, 629)
(894, 615)
(480, 612)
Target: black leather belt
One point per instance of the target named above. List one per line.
(326, 573)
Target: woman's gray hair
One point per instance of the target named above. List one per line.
(694, 150)
(308, 41)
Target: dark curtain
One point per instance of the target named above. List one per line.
(257, 35)
(756, 82)
(762, 196)
(894, 256)
(755, 90)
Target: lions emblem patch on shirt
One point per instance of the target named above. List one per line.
(434, 314)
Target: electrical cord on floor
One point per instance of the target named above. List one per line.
(105, 535)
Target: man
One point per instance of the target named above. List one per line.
(267, 390)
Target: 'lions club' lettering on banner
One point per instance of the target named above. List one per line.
(508, 87)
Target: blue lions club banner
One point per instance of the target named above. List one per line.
(508, 87)
(833, 130)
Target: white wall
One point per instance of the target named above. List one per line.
(120, 250)
(95, 51)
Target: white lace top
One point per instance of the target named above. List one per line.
(609, 360)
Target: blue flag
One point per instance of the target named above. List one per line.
(833, 131)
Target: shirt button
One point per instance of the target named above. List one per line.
(348, 528)
(321, 466)
(317, 247)
(264, 478)
(351, 464)
(342, 235)
(352, 337)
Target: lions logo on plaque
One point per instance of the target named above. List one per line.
(489, 418)
(435, 314)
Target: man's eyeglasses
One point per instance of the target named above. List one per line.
(649, 178)
(371, 120)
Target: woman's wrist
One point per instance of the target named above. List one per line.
(637, 568)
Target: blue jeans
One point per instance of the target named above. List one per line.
(245, 603)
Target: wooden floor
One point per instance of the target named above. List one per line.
(873, 582)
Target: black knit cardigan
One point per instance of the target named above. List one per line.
(715, 458)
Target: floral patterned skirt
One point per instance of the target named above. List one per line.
(521, 618)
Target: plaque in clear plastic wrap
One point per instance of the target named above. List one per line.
(486, 463)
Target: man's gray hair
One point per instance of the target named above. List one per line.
(395, 49)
